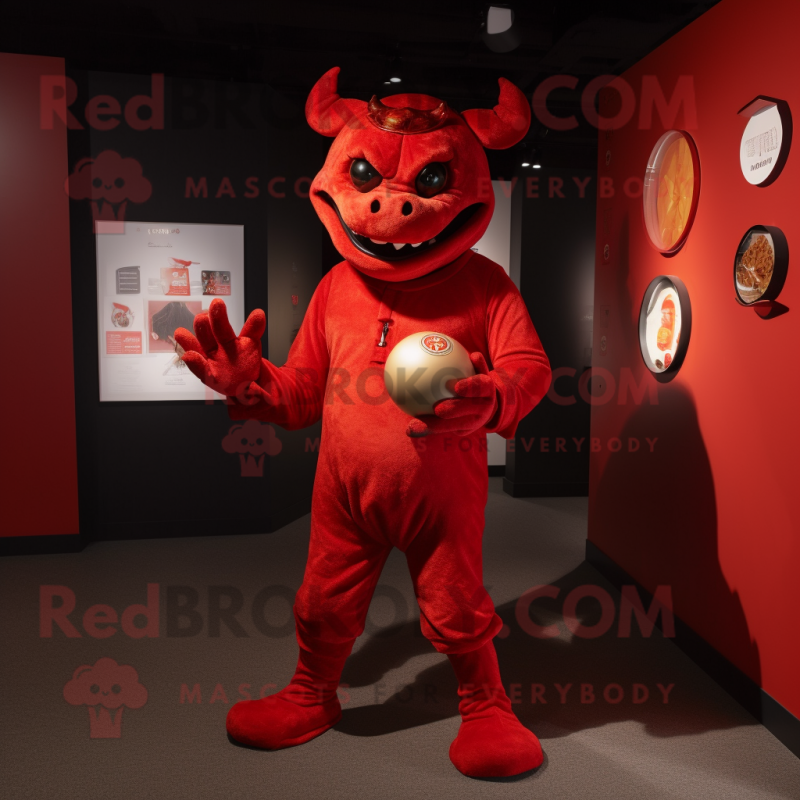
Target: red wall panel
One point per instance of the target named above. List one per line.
(713, 510)
(39, 485)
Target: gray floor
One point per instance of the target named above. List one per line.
(400, 710)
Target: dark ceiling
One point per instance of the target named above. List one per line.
(436, 45)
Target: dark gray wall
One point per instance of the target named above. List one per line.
(157, 468)
(552, 261)
(297, 261)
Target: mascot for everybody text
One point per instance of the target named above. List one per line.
(404, 193)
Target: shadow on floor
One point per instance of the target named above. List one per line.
(559, 682)
(674, 543)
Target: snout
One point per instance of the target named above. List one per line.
(393, 215)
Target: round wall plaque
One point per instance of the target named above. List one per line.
(765, 140)
(671, 190)
(665, 324)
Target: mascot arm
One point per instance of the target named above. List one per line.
(292, 395)
(495, 400)
(520, 369)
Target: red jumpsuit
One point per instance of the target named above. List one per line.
(377, 488)
(404, 194)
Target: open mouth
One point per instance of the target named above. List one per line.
(397, 251)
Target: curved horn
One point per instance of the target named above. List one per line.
(376, 107)
(439, 113)
(405, 120)
(505, 124)
(326, 112)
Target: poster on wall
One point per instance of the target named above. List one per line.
(665, 322)
(154, 277)
(765, 140)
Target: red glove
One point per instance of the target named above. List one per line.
(223, 361)
(475, 405)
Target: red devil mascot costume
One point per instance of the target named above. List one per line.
(404, 193)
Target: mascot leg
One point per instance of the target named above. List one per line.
(491, 742)
(307, 707)
(457, 615)
(331, 607)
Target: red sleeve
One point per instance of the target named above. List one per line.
(520, 368)
(292, 395)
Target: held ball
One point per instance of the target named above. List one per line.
(421, 368)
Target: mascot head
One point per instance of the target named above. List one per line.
(406, 188)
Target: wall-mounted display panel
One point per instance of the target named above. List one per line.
(671, 190)
(760, 266)
(766, 140)
(154, 277)
(665, 324)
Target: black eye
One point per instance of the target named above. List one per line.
(116, 688)
(97, 183)
(245, 442)
(431, 179)
(119, 183)
(94, 688)
(364, 176)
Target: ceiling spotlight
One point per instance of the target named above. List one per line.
(394, 72)
(537, 166)
(526, 163)
(500, 33)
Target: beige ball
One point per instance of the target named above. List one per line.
(419, 369)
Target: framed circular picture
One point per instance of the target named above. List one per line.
(760, 265)
(766, 139)
(665, 324)
(671, 190)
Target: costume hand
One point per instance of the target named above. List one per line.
(223, 361)
(475, 405)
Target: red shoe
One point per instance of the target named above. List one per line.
(491, 742)
(306, 708)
